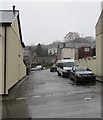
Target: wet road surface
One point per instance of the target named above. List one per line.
(45, 95)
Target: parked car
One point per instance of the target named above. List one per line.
(82, 73)
(53, 68)
(38, 67)
(64, 66)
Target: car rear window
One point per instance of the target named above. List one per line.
(68, 64)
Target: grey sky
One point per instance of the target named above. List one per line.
(45, 22)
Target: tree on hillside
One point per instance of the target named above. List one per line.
(39, 50)
(44, 50)
(71, 36)
(32, 49)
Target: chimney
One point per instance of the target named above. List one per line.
(14, 9)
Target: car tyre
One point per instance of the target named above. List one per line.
(59, 74)
(63, 75)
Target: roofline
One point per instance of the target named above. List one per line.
(9, 24)
(68, 47)
(6, 24)
(10, 10)
(99, 18)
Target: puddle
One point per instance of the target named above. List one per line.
(89, 98)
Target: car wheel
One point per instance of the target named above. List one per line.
(59, 74)
(63, 75)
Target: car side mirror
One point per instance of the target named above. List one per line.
(89, 69)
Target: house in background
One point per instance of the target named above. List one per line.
(12, 67)
(76, 49)
(67, 52)
(84, 52)
(52, 49)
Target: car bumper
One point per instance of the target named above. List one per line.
(83, 79)
(66, 74)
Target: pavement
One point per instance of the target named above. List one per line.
(12, 92)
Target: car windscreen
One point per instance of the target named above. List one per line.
(68, 64)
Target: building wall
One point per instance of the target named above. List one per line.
(1, 60)
(96, 64)
(99, 44)
(83, 53)
(15, 66)
(69, 53)
(90, 63)
(102, 53)
(22, 65)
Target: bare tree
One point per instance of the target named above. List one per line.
(71, 36)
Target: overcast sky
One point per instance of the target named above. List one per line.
(45, 22)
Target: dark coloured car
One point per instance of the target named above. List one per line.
(82, 73)
(53, 68)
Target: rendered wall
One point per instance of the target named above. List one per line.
(99, 45)
(1, 60)
(21, 63)
(69, 53)
(15, 66)
(97, 64)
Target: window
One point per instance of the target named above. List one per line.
(68, 64)
(86, 49)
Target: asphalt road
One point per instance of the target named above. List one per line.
(46, 95)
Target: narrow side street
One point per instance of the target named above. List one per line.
(46, 95)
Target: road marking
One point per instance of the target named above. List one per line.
(22, 98)
(38, 96)
(49, 95)
(87, 98)
(56, 94)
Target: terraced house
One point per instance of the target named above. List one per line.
(12, 67)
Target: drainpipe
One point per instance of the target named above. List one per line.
(5, 62)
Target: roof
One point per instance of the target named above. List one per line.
(7, 16)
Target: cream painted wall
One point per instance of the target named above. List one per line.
(96, 64)
(99, 45)
(15, 66)
(67, 52)
(102, 54)
(88, 63)
(1, 60)
(98, 54)
(12, 58)
(22, 69)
